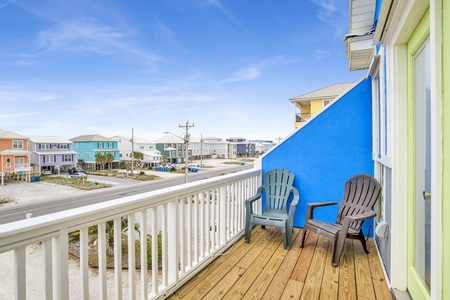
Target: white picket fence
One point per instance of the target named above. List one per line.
(196, 222)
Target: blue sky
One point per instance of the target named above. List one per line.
(69, 68)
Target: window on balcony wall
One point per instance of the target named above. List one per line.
(49, 159)
(67, 157)
(326, 102)
(110, 145)
(64, 146)
(19, 162)
(45, 146)
(79, 156)
(141, 147)
(100, 145)
(17, 144)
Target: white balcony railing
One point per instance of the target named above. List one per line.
(196, 222)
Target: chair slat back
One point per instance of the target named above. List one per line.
(278, 184)
(360, 194)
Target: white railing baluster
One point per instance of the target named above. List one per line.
(20, 273)
(201, 223)
(172, 242)
(60, 265)
(164, 220)
(223, 215)
(181, 226)
(195, 228)
(47, 263)
(143, 236)
(118, 258)
(155, 262)
(84, 262)
(189, 231)
(207, 222)
(131, 258)
(101, 245)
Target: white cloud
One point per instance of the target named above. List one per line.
(246, 74)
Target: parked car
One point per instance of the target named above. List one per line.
(46, 172)
(75, 169)
(78, 174)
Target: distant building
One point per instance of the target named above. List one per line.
(219, 148)
(152, 156)
(87, 146)
(244, 148)
(310, 104)
(52, 153)
(14, 155)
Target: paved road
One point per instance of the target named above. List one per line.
(8, 215)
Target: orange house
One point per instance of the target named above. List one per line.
(14, 156)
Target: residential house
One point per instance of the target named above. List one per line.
(244, 148)
(405, 47)
(87, 146)
(52, 153)
(152, 156)
(14, 155)
(199, 148)
(310, 104)
(172, 146)
(262, 146)
(221, 149)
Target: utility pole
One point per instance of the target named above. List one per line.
(186, 143)
(132, 150)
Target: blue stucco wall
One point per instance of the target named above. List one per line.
(331, 148)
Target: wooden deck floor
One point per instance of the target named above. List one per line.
(262, 269)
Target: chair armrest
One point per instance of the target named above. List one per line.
(356, 218)
(361, 217)
(313, 205)
(294, 204)
(249, 201)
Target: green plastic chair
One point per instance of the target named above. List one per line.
(277, 188)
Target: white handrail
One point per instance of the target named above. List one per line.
(194, 222)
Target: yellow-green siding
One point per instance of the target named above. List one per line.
(446, 151)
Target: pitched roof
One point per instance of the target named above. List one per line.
(329, 92)
(8, 135)
(49, 140)
(169, 138)
(137, 139)
(92, 138)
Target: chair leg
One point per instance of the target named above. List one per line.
(302, 242)
(363, 241)
(287, 237)
(338, 245)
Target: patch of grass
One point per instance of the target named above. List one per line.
(137, 174)
(78, 183)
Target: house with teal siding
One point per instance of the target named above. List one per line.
(87, 146)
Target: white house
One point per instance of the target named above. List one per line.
(152, 156)
(219, 148)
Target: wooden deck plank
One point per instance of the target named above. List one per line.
(364, 286)
(378, 278)
(259, 286)
(221, 288)
(201, 277)
(248, 278)
(281, 278)
(347, 285)
(265, 275)
(311, 289)
(304, 261)
(330, 282)
(293, 290)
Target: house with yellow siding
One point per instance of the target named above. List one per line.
(310, 104)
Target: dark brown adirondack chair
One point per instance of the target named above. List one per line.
(360, 194)
(277, 187)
